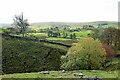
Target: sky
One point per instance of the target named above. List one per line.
(59, 10)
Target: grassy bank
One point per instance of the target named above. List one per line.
(70, 74)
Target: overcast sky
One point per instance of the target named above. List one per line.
(59, 10)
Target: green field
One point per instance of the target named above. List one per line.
(78, 35)
(59, 74)
(37, 34)
(32, 34)
(40, 35)
(82, 33)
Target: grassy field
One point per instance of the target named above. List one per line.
(33, 34)
(37, 34)
(59, 74)
(82, 33)
(79, 35)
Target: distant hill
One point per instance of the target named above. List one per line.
(5, 25)
(38, 24)
(109, 23)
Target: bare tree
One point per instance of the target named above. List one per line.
(21, 23)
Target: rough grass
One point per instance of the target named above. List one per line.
(59, 74)
(29, 56)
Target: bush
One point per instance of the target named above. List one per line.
(86, 54)
(112, 65)
(110, 53)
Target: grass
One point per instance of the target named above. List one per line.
(33, 34)
(54, 38)
(82, 33)
(37, 34)
(59, 74)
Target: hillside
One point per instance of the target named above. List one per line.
(29, 56)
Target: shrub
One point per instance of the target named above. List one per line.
(86, 54)
(110, 53)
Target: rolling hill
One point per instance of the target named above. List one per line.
(40, 24)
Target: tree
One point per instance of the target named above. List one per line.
(71, 36)
(111, 36)
(50, 33)
(55, 34)
(65, 35)
(78, 29)
(74, 36)
(96, 33)
(108, 36)
(110, 53)
(59, 35)
(86, 54)
(117, 41)
(21, 23)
